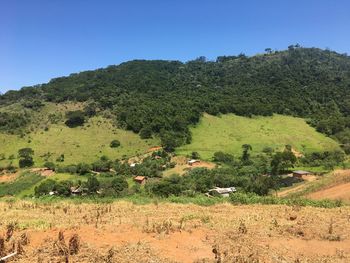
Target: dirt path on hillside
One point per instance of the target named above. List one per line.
(308, 179)
(338, 188)
(338, 192)
(289, 191)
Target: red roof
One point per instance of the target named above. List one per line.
(139, 178)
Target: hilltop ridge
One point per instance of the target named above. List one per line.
(165, 97)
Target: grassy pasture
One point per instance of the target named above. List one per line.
(81, 144)
(229, 132)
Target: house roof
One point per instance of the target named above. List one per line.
(301, 172)
(139, 178)
(193, 161)
(223, 190)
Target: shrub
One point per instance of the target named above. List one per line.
(26, 157)
(146, 133)
(72, 169)
(75, 118)
(83, 168)
(26, 162)
(63, 188)
(101, 166)
(92, 184)
(223, 157)
(195, 155)
(171, 185)
(50, 165)
(267, 150)
(119, 184)
(60, 158)
(115, 144)
(45, 187)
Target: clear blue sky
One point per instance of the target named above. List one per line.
(42, 39)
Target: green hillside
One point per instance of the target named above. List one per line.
(81, 144)
(164, 98)
(229, 132)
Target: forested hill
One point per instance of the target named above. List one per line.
(165, 97)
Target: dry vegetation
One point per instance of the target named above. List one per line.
(124, 232)
(333, 186)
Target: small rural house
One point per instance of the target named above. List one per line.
(193, 161)
(224, 192)
(78, 190)
(300, 173)
(140, 179)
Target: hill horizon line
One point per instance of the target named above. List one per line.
(268, 51)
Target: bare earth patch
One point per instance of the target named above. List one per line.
(8, 177)
(43, 171)
(338, 192)
(124, 232)
(182, 166)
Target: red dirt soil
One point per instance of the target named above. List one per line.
(43, 171)
(181, 246)
(338, 192)
(155, 148)
(8, 177)
(203, 164)
(182, 233)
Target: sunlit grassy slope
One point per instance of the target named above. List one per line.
(229, 132)
(81, 144)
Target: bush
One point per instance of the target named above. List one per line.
(26, 157)
(28, 162)
(72, 169)
(195, 155)
(146, 133)
(92, 184)
(223, 157)
(63, 188)
(101, 166)
(45, 187)
(75, 118)
(83, 168)
(119, 184)
(114, 144)
(60, 158)
(50, 165)
(171, 185)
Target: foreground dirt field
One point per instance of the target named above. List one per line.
(124, 232)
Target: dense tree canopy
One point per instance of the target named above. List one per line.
(165, 97)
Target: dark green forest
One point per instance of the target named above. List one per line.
(165, 97)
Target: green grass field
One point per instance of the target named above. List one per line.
(81, 144)
(229, 132)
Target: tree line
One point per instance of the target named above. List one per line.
(164, 98)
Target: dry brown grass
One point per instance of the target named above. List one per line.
(124, 232)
